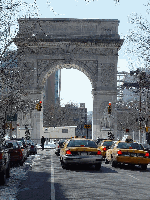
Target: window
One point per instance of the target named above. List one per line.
(82, 143)
(64, 130)
(123, 145)
(136, 146)
(107, 143)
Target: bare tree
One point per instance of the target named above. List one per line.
(10, 11)
(12, 95)
(137, 41)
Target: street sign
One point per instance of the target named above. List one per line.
(12, 117)
(87, 126)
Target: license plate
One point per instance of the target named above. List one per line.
(133, 155)
(126, 154)
(84, 153)
(140, 155)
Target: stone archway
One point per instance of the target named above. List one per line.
(89, 45)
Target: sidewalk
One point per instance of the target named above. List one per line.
(37, 186)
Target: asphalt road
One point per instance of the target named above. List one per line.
(47, 180)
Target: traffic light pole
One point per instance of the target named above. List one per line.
(87, 133)
(140, 116)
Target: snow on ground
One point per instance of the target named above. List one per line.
(17, 174)
(47, 146)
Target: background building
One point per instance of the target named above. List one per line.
(53, 88)
(52, 95)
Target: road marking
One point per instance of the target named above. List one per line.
(52, 180)
(133, 177)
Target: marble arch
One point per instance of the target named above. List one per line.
(89, 45)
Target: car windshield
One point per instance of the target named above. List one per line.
(29, 141)
(82, 143)
(124, 145)
(19, 143)
(21, 140)
(11, 143)
(146, 145)
(99, 140)
(107, 143)
(137, 146)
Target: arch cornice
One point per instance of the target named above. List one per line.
(115, 43)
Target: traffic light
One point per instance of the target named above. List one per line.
(109, 108)
(40, 106)
(37, 106)
(146, 129)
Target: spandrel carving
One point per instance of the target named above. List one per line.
(108, 74)
(27, 74)
(94, 51)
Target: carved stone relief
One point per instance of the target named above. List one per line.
(43, 51)
(27, 74)
(69, 49)
(102, 106)
(108, 74)
(94, 51)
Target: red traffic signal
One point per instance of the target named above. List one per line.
(40, 106)
(109, 108)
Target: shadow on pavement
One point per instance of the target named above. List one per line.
(59, 192)
(36, 186)
(91, 169)
(132, 168)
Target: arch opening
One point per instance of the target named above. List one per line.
(90, 71)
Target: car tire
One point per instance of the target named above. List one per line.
(97, 167)
(21, 163)
(114, 164)
(3, 177)
(131, 166)
(143, 167)
(64, 166)
(8, 171)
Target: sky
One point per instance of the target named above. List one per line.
(75, 86)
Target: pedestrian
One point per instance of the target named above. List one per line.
(42, 142)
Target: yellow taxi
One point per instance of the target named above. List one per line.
(104, 146)
(80, 151)
(128, 153)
